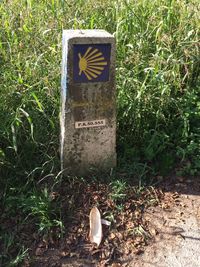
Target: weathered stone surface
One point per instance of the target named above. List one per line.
(88, 112)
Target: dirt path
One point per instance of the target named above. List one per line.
(177, 232)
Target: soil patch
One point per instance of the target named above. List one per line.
(149, 227)
(123, 206)
(177, 229)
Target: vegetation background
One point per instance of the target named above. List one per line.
(158, 96)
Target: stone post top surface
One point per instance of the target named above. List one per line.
(87, 33)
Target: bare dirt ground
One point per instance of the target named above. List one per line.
(169, 234)
(177, 230)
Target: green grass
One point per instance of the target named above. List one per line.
(158, 92)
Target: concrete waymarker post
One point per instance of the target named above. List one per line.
(88, 112)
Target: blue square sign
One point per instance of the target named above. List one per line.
(91, 62)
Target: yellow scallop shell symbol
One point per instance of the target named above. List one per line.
(92, 63)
